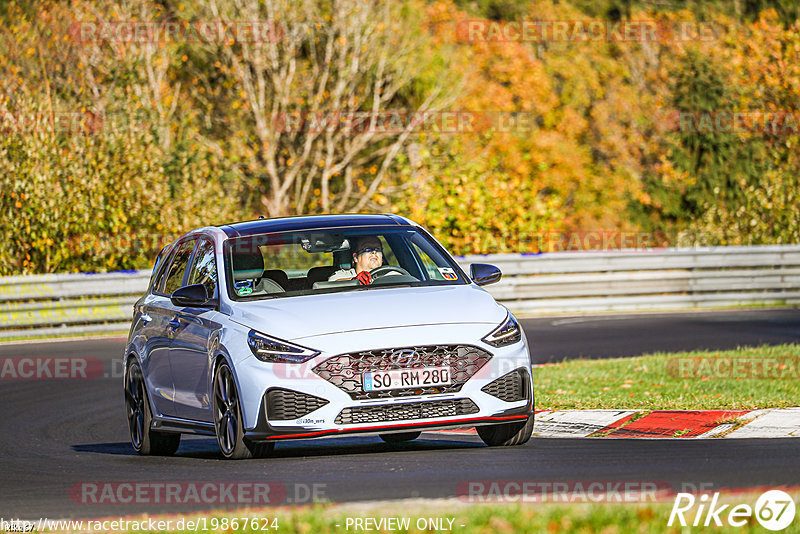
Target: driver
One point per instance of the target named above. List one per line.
(367, 255)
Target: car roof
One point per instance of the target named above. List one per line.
(285, 224)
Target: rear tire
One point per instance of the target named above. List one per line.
(400, 438)
(137, 406)
(506, 434)
(228, 422)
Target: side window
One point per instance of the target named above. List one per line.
(430, 266)
(204, 270)
(388, 254)
(176, 269)
(158, 269)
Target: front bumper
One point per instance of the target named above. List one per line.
(258, 435)
(336, 412)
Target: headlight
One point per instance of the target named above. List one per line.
(507, 333)
(270, 349)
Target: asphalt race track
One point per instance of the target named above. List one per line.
(63, 439)
(555, 339)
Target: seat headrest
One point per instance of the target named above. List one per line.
(247, 266)
(277, 275)
(343, 259)
(315, 274)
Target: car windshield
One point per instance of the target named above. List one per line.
(315, 261)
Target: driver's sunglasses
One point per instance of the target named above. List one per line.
(368, 250)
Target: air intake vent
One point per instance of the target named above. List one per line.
(284, 404)
(510, 387)
(406, 411)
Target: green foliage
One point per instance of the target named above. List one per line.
(741, 10)
(164, 137)
(718, 186)
(720, 165)
(102, 201)
(473, 205)
(760, 377)
(495, 9)
(499, 509)
(96, 175)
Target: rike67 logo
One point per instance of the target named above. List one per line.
(774, 510)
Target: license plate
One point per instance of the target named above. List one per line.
(406, 378)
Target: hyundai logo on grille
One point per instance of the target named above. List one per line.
(345, 370)
(404, 357)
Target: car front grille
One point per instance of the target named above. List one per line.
(345, 370)
(406, 411)
(284, 404)
(510, 387)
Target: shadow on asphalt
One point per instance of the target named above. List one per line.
(207, 448)
(123, 448)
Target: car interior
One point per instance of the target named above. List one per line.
(252, 278)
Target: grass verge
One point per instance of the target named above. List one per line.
(749, 378)
(64, 337)
(451, 515)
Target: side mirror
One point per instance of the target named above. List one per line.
(190, 296)
(484, 274)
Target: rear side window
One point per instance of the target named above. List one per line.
(177, 267)
(204, 270)
(158, 268)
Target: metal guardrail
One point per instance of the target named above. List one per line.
(647, 279)
(51, 304)
(560, 282)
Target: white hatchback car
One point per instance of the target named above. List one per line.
(269, 330)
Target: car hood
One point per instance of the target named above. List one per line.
(294, 318)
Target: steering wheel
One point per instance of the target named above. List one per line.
(386, 269)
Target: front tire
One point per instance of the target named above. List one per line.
(228, 422)
(137, 406)
(506, 434)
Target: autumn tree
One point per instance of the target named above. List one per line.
(326, 61)
(101, 161)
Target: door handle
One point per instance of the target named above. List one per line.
(145, 318)
(188, 318)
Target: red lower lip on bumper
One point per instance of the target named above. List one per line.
(468, 422)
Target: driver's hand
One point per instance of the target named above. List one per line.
(364, 278)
